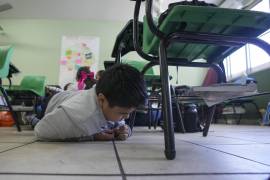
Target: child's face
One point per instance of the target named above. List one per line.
(97, 77)
(115, 113)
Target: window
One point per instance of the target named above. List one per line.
(258, 57)
(238, 62)
(249, 58)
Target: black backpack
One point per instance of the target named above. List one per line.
(190, 117)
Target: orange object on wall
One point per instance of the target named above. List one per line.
(6, 119)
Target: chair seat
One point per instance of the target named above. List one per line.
(205, 19)
(20, 108)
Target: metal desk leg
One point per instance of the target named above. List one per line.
(150, 114)
(209, 120)
(180, 124)
(166, 104)
(156, 118)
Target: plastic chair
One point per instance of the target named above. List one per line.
(140, 65)
(189, 33)
(151, 81)
(27, 96)
(149, 75)
(34, 84)
(5, 57)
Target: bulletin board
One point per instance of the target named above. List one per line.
(77, 51)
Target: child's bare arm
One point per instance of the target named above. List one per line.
(107, 135)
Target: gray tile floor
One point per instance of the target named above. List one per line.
(229, 152)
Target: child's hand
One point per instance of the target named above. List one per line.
(106, 135)
(121, 137)
(121, 133)
(121, 130)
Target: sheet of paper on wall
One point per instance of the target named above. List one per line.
(218, 93)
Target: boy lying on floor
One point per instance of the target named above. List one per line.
(97, 113)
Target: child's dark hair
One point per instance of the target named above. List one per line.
(88, 80)
(99, 74)
(123, 86)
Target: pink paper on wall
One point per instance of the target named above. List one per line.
(77, 51)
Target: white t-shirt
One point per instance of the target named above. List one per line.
(71, 114)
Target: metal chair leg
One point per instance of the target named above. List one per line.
(14, 116)
(166, 104)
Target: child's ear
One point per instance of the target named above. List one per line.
(101, 98)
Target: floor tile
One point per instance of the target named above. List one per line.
(143, 153)
(255, 152)
(252, 137)
(198, 138)
(145, 136)
(237, 128)
(97, 158)
(52, 177)
(228, 152)
(11, 135)
(6, 146)
(252, 134)
(202, 177)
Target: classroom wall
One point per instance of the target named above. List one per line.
(37, 45)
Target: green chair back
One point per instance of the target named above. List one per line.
(140, 65)
(149, 75)
(5, 58)
(36, 84)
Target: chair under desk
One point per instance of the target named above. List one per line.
(187, 33)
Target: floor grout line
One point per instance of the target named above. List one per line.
(10, 149)
(227, 153)
(199, 174)
(119, 161)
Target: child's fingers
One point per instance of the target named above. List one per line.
(123, 129)
(122, 137)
